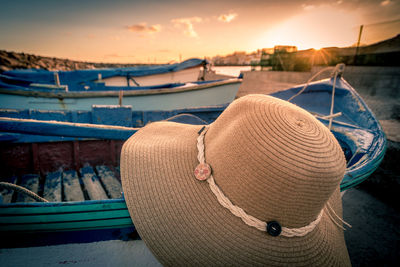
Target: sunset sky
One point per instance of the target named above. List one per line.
(161, 31)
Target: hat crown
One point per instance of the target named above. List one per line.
(274, 159)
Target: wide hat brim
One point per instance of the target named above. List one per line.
(180, 220)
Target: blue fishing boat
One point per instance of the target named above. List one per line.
(77, 161)
(187, 71)
(79, 90)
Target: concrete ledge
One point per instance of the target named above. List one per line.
(391, 129)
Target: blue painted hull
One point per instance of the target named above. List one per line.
(32, 126)
(357, 130)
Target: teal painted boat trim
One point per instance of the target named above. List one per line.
(64, 216)
(69, 226)
(59, 207)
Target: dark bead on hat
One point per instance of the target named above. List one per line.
(274, 228)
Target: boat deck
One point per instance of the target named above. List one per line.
(88, 183)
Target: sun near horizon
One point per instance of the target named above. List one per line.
(316, 27)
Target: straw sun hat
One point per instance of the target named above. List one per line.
(272, 197)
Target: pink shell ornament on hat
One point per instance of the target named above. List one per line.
(202, 171)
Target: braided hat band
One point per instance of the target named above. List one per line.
(203, 172)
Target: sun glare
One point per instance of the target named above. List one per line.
(316, 28)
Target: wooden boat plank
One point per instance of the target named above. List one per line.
(52, 187)
(92, 184)
(65, 129)
(112, 114)
(7, 194)
(110, 182)
(63, 217)
(72, 188)
(30, 182)
(61, 226)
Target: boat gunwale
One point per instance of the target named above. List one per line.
(153, 74)
(126, 93)
(114, 201)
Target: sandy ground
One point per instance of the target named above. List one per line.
(111, 253)
(374, 239)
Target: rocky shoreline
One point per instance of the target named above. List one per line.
(12, 60)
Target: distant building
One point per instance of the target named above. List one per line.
(289, 58)
(285, 49)
(237, 58)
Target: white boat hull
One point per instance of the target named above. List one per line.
(181, 76)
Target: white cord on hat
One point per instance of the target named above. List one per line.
(330, 209)
(239, 212)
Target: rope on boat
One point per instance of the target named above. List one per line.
(186, 114)
(332, 99)
(352, 157)
(133, 80)
(20, 189)
(338, 70)
(308, 82)
(330, 116)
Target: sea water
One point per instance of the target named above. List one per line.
(233, 71)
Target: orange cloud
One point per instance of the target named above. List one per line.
(227, 17)
(142, 27)
(309, 7)
(187, 25)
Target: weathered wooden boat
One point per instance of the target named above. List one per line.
(82, 96)
(148, 75)
(86, 162)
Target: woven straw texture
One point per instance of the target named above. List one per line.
(269, 157)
